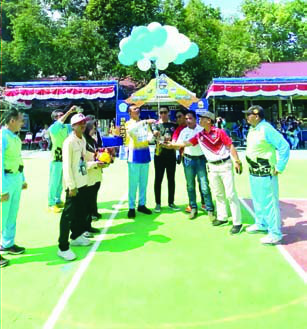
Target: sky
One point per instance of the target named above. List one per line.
(228, 7)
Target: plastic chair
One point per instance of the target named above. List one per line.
(28, 140)
(37, 139)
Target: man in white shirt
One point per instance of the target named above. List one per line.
(218, 149)
(75, 182)
(194, 164)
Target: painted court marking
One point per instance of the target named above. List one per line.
(283, 250)
(82, 268)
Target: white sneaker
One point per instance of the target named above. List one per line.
(67, 254)
(81, 241)
(270, 240)
(157, 208)
(252, 229)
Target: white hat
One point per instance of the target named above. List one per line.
(77, 118)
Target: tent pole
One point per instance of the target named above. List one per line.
(245, 104)
(157, 86)
(279, 109)
(214, 106)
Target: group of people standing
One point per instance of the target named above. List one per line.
(206, 151)
(74, 151)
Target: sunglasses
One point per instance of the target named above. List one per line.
(163, 112)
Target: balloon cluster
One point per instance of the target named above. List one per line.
(155, 43)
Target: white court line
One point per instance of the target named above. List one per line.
(297, 268)
(49, 324)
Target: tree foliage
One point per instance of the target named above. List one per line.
(276, 29)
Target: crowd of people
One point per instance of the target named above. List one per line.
(205, 150)
(290, 128)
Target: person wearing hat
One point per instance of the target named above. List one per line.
(262, 142)
(13, 182)
(218, 149)
(76, 209)
(58, 133)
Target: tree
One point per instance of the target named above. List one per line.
(202, 25)
(173, 13)
(67, 8)
(81, 50)
(30, 49)
(235, 54)
(116, 18)
(276, 29)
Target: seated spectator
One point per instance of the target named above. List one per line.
(28, 139)
(220, 123)
(292, 134)
(44, 143)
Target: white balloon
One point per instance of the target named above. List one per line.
(153, 26)
(161, 65)
(171, 29)
(122, 42)
(173, 39)
(185, 43)
(144, 64)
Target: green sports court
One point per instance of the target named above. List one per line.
(161, 271)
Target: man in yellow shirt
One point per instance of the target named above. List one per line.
(138, 132)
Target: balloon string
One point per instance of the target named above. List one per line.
(157, 85)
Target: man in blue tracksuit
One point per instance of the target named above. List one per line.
(13, 182)
(58, 133)
(262, 142)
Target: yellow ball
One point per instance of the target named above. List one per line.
(104, 157)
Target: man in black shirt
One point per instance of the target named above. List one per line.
(164, 159)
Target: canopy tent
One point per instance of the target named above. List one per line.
(161, 91)
(60, 90)
(164, 91)
(255, 87)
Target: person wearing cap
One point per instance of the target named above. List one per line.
(58, 133)
(76, 209)
(164, 159)
(13, 182)
(262, 142)
(137, 140)
(194, 164)
(218, 148)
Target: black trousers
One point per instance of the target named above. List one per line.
(92, 192)
(74, 217)
(163, 163)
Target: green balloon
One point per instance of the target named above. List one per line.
(158, 36)
(125, 59)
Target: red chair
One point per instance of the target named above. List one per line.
(37, 139)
